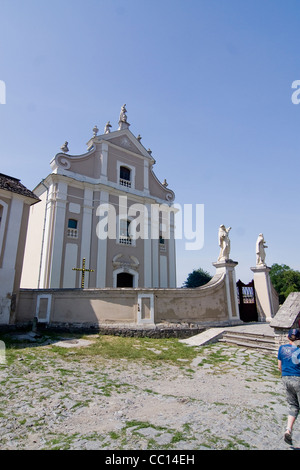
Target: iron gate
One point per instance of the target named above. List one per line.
(247, 301)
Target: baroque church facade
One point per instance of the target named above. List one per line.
(107, 209)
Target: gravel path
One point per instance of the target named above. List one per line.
(233, 402)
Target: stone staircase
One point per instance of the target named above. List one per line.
(259, 341)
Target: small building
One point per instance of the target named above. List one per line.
(15, 203)
(108, 208)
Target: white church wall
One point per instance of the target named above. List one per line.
(33, 246)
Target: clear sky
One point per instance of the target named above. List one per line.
(208, 85)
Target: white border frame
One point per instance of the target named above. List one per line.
(39, 297)
(141, 321)
(134, 273)
(132, 174)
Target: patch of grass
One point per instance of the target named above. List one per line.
(215, 357)
(149, 350)
(80, 404)
(142, 424)
(61, 442)
(133, 349)
(65, 372)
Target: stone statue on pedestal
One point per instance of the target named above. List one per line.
(260, 250)
(123, 123)
(107, 128)
(123, 117)
(224, 243)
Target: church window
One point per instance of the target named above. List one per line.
(124, 280)
(72, 231)
(162, 243)
(125, 237)
(125, 176)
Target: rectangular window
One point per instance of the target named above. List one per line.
(162, 245)
(124, 237)
(125, 177)
(72, 231)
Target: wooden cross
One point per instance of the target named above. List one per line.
(83, 271)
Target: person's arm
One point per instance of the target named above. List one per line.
(279, 365)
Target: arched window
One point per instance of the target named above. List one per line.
(124, 280)
(125, 176)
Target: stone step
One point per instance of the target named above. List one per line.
(249, 344)
(249, 340)
(249, 336)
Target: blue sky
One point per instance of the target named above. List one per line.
(207, 83)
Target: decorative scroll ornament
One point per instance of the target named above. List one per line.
(63, 162)
(169, 196)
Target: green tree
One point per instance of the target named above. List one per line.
(285, 280)
(197, 278)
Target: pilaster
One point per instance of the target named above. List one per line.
(172, 252)
(87, 229)
(227, 267)
(58, 234)
(263, 291)
(148, 265)
(102, 250)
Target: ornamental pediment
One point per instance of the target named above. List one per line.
(126, 143)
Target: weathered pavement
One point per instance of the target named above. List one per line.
(227, 398)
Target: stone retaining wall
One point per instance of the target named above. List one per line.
(208, 305)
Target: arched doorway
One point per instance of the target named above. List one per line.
(124, 280)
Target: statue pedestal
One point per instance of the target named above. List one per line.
(123, 125)
(264, 291)
(227, 267)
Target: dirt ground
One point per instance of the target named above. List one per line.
(235, 401)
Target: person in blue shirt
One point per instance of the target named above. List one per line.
(289, 366)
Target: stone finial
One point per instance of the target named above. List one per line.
(224, 243)
(95, 131)
(139, 138)
(64, 147)
(107, 128)
(149, 151)
(165, 184)
(260, 250)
